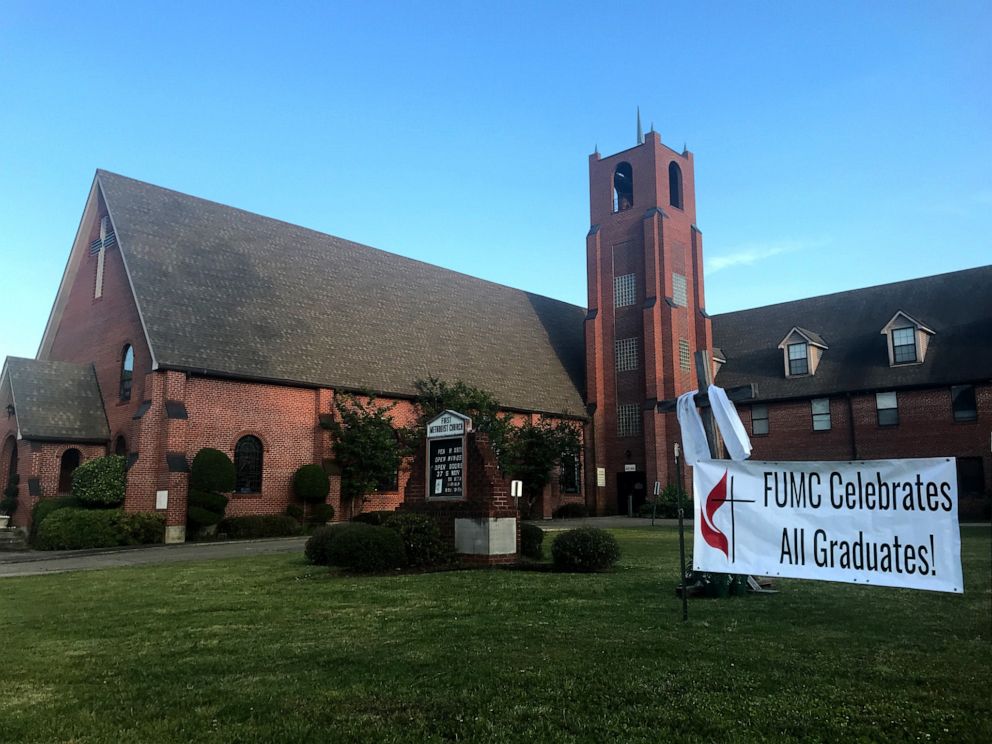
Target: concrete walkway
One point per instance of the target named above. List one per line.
(37, 562)
(607, 523)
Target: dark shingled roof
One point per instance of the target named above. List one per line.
(229, 292)
(57, 401)
(956, 306)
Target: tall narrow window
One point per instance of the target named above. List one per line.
(963, 402)
(120, 445)
(679, 294)
(623, 188)
(67, 466)
(821, 414)
(685, 358)
(904, 345)
(887, 408)
(628, 420)
(626, 354)
(127, 371)
(675, 185)
(569, 476)
(798, 359)
(624, 290)
(759, 420)
(248, 465)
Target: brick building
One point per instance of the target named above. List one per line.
(181, 324)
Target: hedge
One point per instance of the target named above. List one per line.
(75, 529)
(269, 525)
(316, 550)
(366, 548)
(570, 511)
(99, 483)
(375, 518)
(45, 507)
(585, 549)
(531, 541)
(421, 539)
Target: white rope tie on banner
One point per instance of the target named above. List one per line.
(727, 421)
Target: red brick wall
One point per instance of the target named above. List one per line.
(926, 428)
(96, 331)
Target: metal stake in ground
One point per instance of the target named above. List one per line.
(681, 501)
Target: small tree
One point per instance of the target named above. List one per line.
(100, 483)
(211, 476)
(532, 451)
(435, 396)
(366, 446)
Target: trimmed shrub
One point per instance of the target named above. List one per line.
(366, 548)
(320, 514)
(571, 511)
(531, 541)
(212, 470)
(421, 539)
(585, 549)
(99, 483)
(213, 502)
(197, 518)
(75, 529)
(141, 528)
(43, 508)
(268, 525)
(316, 550)
(310, 484)
(295, 511)
(72, 528)
(375, 518)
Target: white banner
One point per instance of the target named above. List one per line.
(882, 522)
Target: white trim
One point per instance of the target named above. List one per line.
(796, 329)
(4, 377)
(130, 282)
(888, 326)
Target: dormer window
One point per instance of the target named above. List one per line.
(903, 345)
(798, 359)
(803, 350)
(907, 339)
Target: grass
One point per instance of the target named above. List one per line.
(269, 649)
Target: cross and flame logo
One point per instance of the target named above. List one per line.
(712, 534)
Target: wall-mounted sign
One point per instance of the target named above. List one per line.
(446, 456)
(516, 489)
(630, 468)
(601, 477)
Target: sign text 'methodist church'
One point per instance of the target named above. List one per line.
(181, 324)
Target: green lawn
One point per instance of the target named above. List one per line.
(270, 649)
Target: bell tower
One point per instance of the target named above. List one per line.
(646, 315)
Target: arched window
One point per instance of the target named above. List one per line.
(127, 371)
(248, 465)
(68, 465)
(675, 184)
(623, 187)
(120, 445)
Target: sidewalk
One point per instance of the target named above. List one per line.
(606, 523)
(36, 562)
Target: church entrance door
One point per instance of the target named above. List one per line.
(631, 492)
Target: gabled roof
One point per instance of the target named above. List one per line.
(957, 307)
(224, 291)
(912, 321)
(56, 401)
(811, 337)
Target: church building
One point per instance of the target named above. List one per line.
(181, 323)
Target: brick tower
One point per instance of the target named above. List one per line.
(646, 315)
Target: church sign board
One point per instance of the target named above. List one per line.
(446, 456)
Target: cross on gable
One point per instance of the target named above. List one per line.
(107, 237)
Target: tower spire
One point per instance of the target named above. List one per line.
(640, 133)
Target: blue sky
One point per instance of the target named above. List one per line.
(837, 145)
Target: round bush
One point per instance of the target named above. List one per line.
(421, 539)
(320, 514)
(100, 483)
(212, 470)
(310, 484)
(197, 517)
(214, 502)
(264, 525)
(316, 550)
(571, 511)
(75, 529)
(376, 518)
(366, 548)
(141, 528)
(585, 549)
(531, 541)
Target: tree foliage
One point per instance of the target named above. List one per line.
(435, 396)
(366, 446)
(532, 451)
